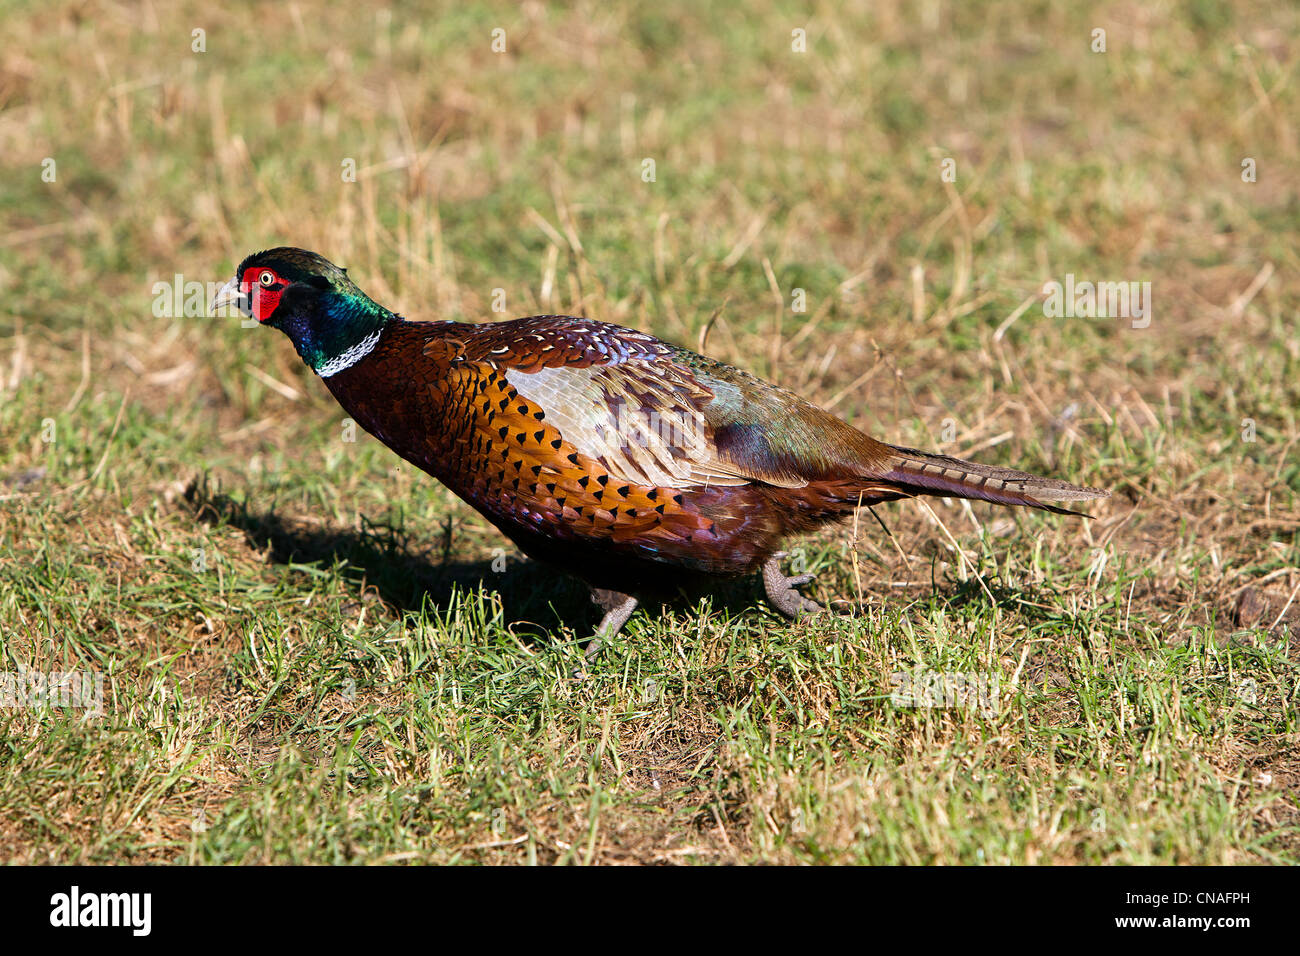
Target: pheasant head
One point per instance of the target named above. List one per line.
(330, 321)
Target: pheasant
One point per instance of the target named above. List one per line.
(635, 465)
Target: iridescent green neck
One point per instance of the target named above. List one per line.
(336, 330)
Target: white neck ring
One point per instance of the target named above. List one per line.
(351, 357)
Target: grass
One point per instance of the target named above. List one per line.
(311, 652)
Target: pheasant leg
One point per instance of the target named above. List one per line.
(618, 607)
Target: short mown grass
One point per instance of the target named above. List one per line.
(310, 652)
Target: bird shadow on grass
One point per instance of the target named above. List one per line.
(535, 600)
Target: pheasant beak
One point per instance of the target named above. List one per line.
(231, 294)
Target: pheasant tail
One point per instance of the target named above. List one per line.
(920, 472)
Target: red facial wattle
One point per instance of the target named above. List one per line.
(263, 293)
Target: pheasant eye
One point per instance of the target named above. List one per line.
(267, 278)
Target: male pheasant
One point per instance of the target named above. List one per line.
(633, 464)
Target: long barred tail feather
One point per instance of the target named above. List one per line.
(923, 473)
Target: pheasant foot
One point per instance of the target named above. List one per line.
(781, 590)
